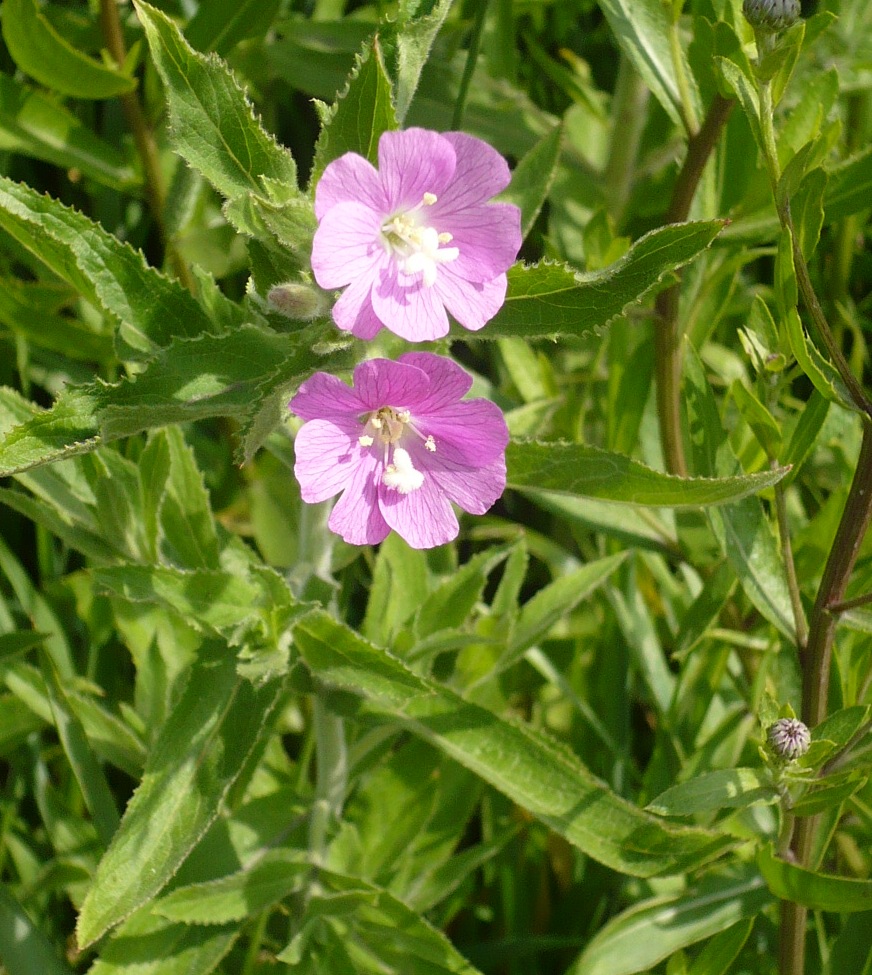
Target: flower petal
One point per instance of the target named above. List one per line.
(488, 238)
(356, 515)
(324, 397)
(327, 457)
(353, 312)
(411, 163)
(381, 382)
(414, 313)
(448, 382)
(480, 174)
(467, 434)
(473, 490)
(346, 243)
(423, 518)
(349, 179)
(472, 304)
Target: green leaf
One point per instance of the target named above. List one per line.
(149, 308)
(220, 601)
(805, 433)
(95, 789)
(211, 376)
(374, 933)
(414, 38)
(641, 28)
(238, 895)
(40, 51)
(221, 24)
(212, 125)
(551, 603)
(745, 92)
(742, 528)
(644, 935)
(34, 124)
(849, 188)
(149, 945)
(589, 472)
(530, 768)
(533, 176)
(24, 949)
(548, 300)
(198, 755)
(823, 375)
(68, 428)
(723, 789)
(815, 890)
(359, 116)
(723, 949)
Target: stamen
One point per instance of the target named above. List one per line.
(430, 444)
(365, 441)
(429, 199)
(401, 474)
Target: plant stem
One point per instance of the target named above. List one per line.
(667, 333)
(155, 191)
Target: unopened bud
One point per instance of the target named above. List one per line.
(788, 738)
(298, 300)
(771, 15)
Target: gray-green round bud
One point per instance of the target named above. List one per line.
(788, 738)
(771, 15)
(298, 300)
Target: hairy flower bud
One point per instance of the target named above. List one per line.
(300, 301)
(771, 15)
(788, 738)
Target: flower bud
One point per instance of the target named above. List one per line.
(788, 738)
(298, 300)
(771, 15)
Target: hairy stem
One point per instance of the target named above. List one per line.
(155, 191)
(469, 67)
(667, 332)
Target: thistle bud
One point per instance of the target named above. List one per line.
(298, 300)
(771, 15)
(788, 738)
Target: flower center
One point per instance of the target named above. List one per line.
(390, 426)
(415, 245)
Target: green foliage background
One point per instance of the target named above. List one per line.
(232, 743)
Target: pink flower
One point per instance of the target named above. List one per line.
(400, 446)
(416, 236)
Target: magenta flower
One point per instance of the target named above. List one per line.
(416, 236)
(400, 446)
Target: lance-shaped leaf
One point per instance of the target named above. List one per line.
(212, 125)
(637, 939)
(414, 38)
(150, 307)
(24, 949)
(533, 177)
(361, 114)
(40, 51)
(815, 890)
(724, 788)
(530, 768)
(590, 472)
(36, 125)
(198, 755)
(68, 428)
(549, 300)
